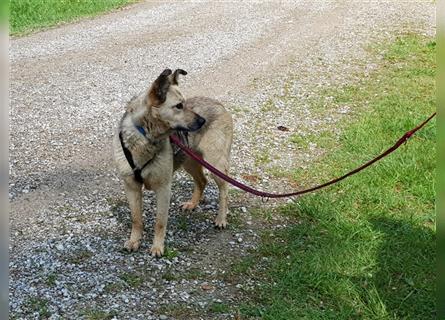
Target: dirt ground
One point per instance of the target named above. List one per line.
(68, 87)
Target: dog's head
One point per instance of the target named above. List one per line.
(167, 103)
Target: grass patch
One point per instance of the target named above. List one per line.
(182, 222)
(51, 280)
(236, 221)
(179, 311)
(79, 257)
(364, 249)
(95, 314)
(268, 106)
(170, 253)
(219, 307)
(39, 306)
(262, 158)
(324, 139)
(244, 266)
(31, 15)
(131, 279)
(193, 274)
(169, 275)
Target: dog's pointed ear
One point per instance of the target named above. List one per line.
(175, 75)
(158, 90)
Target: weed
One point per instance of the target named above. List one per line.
(95, 314)
(178, 311)
(131, 279)
(169, 276)
(79, 257)
(170, 253)
(39, 305)
(51, 279)
(219, 307)
(268, 106)
(183, 223)
(194, 274)
(113, 287)
(262, 158)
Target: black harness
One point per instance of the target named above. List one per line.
(137, 171)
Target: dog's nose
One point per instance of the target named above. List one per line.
(201, 121)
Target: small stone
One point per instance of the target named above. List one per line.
(184, 296)
(207, 287)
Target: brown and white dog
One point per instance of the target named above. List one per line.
(144, 156)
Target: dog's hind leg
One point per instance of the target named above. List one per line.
(133, 190)
(195, 170)
(221, 218)
(215, 145)
(221, 164)
(163, 194)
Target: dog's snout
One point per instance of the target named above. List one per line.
(201, 121)
(197, 123)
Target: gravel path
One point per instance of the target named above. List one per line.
(68, 86)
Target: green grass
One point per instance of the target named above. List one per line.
(170, 253)
(31, 15)
(132, 279)
(51, 279)
(79, 256)
(365, 248)
(95, 314)
(323, 138)
(179, 311)
(219, 307)
(169, 275)
(39, 306)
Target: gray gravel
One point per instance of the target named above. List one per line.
(68, 86)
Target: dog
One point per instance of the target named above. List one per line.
(145, 157)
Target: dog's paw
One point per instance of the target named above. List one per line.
(220, 223)
(157, 251)
(189, 205)
(132, 245)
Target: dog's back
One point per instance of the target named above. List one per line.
(216, 134)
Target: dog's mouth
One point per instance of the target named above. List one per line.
(196, 125)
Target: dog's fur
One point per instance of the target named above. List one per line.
(161, 111)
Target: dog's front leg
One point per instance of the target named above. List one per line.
(163, 195)
(133, 190)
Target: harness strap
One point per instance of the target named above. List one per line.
(137, 171)
(129, 157)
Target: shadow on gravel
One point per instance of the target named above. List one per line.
(73, 252)
(68, 180)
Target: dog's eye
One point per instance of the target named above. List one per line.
(179, 106)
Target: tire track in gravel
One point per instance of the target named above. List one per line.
(67, 90)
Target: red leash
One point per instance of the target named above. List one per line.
(174, 139)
